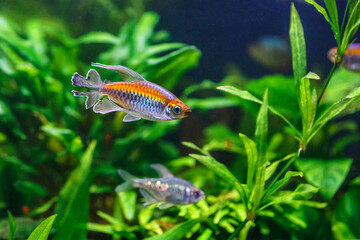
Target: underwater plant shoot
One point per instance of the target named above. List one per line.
(179, 120)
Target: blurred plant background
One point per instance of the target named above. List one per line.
(56, 157)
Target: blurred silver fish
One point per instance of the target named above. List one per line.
(351, 58)
(168, 189)
(271, 52)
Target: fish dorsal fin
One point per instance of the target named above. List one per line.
(130, 118)
(105, 105)
(162, 170)
(148, 198)
(126, 73)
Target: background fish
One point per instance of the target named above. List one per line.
(135, 96)
(168, 189)
(351, 58)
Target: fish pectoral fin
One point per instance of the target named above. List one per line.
(165, 205)
(148, 198)
(130, 118)
(162, 170)
(126, 73)
(105, 105)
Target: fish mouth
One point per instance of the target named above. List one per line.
(187, 112)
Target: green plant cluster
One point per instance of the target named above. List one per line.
(280, 177)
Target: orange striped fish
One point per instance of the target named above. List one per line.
(136, 96)
(351, 58)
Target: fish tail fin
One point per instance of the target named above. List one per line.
(92, 82)
(129, 181)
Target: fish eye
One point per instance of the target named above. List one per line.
(177, 109)
(197, 194)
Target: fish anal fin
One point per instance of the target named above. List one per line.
(165, 205)
(148, 198)
(130, 118)
(105, 105)
(162, 170)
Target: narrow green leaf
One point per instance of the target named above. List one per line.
(328, 175)
(176, 232)
(248, 96)
(332, 9)
(278, 184)
(252, 157)
(261, 131)
(97, 37)
(73, 204)
(42, 231)
(307, 106)
(220, 169)
(272, 168)
(320, 9)
(162, 47)
(351, 26)
(334, 110)
(258, 190)
(12, 226)
(240, 93)
(193, 146)
(43, 208)
(298, 47)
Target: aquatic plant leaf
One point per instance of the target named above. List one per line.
(45, 207)
(176, 232)
(307, 105)
(298, 47)
(261, 131)
(30, 188)
(334, 110)
(351, 26)
(278, 184)
(206, 235)
(220, 169)
(273, 166)
(347, 212)
(162, 47)
(259, 186)
(167, 70)
(12, 226)
(328, 175)
(342, 231)
(128, 203)
(248, 96)
(252, 159)
(73, 204)
(333, 13)
(210, 103)
(97, 37)
(42, 231)
(320, 9)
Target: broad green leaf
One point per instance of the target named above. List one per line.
(97, 37)
(347, 212)
(128, 203)
(342, 231)
(261, 131)
(42, 231)
(12, 226)
(73, 204)
(248, 96)
(146, 214)
(298, 47)
(176, 232)
(252, 159)
(328, 175)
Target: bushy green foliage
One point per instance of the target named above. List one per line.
(266, 180)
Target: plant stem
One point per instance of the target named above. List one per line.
(327, 82)
(237, 230)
